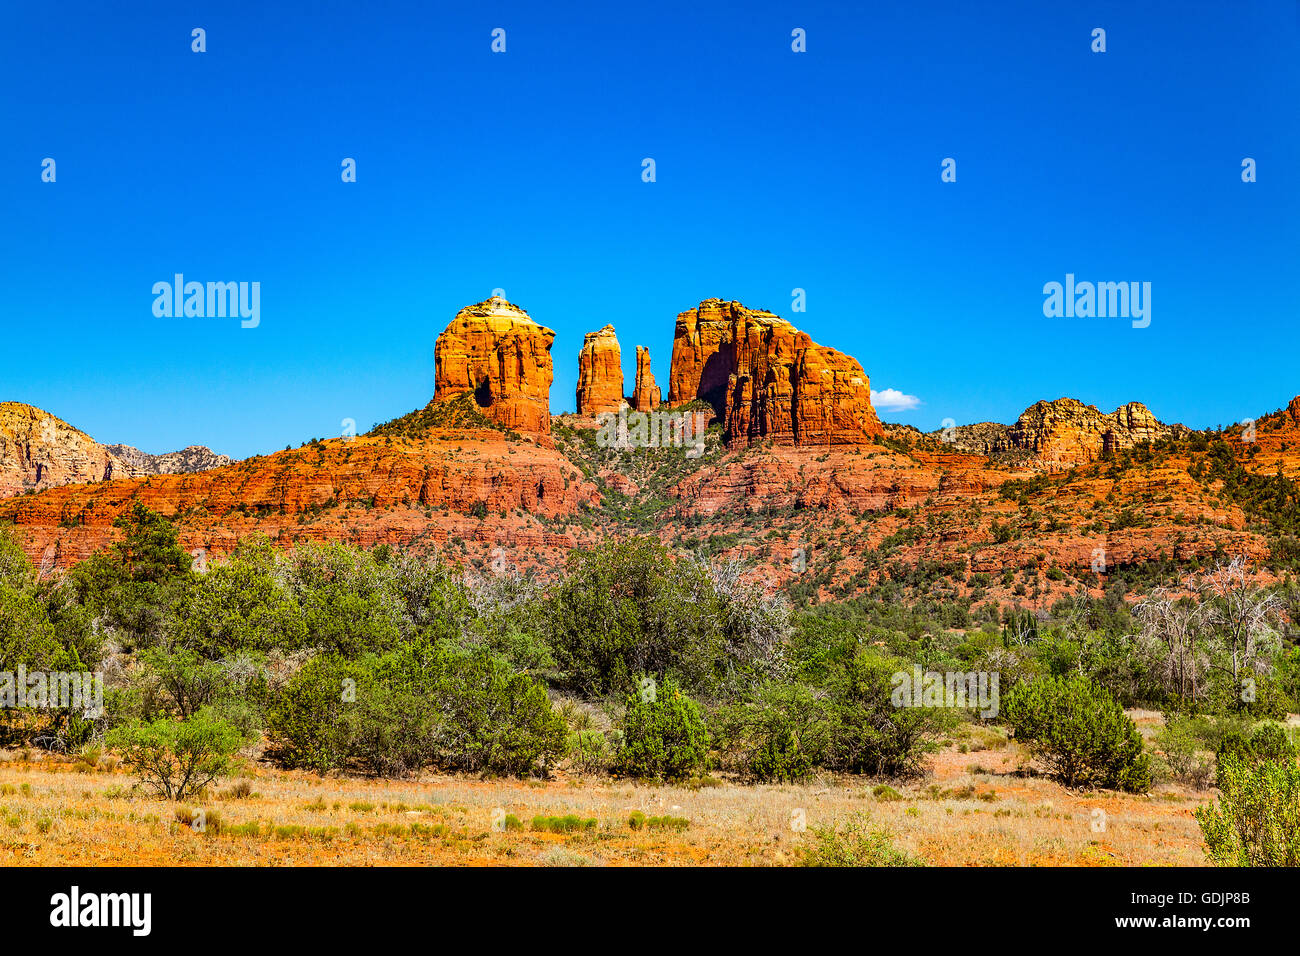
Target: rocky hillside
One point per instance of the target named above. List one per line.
(184, 462)
(1061, 434)
(39, 450)
(796, 477)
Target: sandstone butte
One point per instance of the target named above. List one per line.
(495, 351)
(600, 373)
(832, 473)
(1064, 433)
(767, 380)
(39, 450)
(645, 396)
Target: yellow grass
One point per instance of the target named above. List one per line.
(971, 809)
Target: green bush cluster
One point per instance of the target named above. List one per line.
(1080, 731)
(1256, 821)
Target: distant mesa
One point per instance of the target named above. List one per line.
(1064, 432)
(39, 450)
(495, 351)
(766, 380)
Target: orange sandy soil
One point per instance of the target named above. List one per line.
(984, 806)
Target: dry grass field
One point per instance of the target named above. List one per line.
(979, 804)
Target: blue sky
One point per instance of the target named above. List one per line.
(775, 170)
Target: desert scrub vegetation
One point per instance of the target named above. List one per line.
(1080, 731)
(386, 664)
(858, 843)
(1257, 819)
(177, 758)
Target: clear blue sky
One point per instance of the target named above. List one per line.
(522, 170)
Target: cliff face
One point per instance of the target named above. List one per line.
(767, 380)
(39, 450)
(1064, 433)
(600, 373)
(496, 351)
(136, 463)
(366, 490)
(645, 397)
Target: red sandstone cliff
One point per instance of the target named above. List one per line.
(767, 380)
(600, 373)
(645, 396)
(496, 351)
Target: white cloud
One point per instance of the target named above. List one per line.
(892, 400)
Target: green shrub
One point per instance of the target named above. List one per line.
(1267, 742)
(779, 735)
(676, 824)
(628, 607)
(177, 758)
(1257, 819)
(565, 824)
(1080, 731)
(311, 721)
(860, 844)
(420, 705)
(664, 736)
(1182, 751)
(867, 734)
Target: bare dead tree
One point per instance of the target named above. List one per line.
(1239, 619)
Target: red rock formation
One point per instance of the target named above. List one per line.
(39, 450)
(645, 397)
(766, 379)
(366, 490)
(1064, 433)
(495, 350)
(600, 373)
